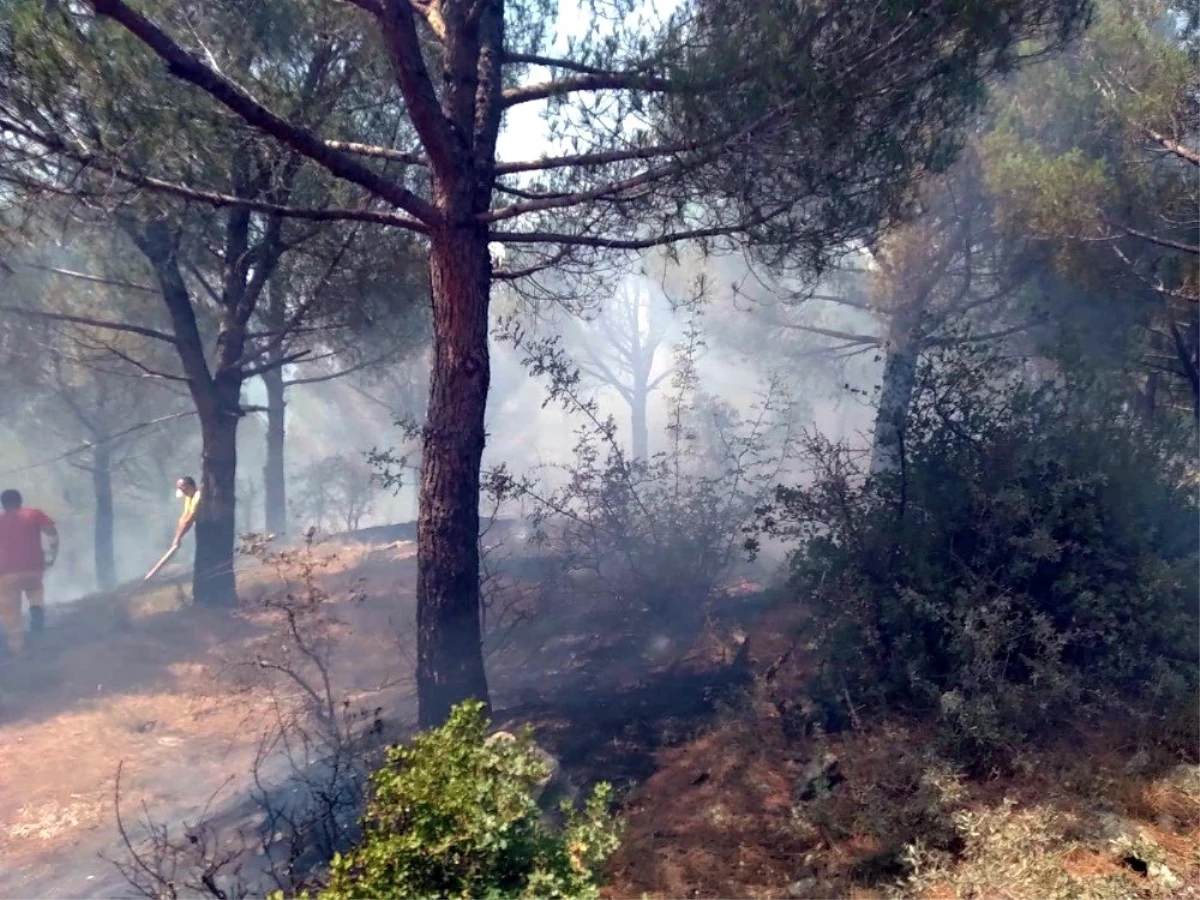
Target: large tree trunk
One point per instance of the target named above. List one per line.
(274, 475)
(218, 404)
(638, 398)
(899, 375)
(1187, 351)
(899, 379)
(1148, 398)
(213, 580)
(105, 558)
(449, 641)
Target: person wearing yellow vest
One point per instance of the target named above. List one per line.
(185, 489)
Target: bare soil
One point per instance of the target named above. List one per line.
(1096, 815)
(690, 735)
(142, 680)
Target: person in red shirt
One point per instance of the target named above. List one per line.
(22, 566)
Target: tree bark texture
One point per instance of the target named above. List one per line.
(274, 472)
(638, 398)
(899, 379)
(213, 579)
(459, 130)
(449, 640)
(102, 488)
(1148, 398)
(1187, 351)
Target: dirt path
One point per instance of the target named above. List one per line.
(153, 685)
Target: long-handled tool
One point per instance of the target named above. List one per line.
(162, 562)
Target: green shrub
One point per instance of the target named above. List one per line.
(456, 815)
(1034, 557)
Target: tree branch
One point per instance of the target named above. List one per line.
(254, 371)
(594, 159)
(374, 152)
(95, 279)
(660, 379)
(187, 67)
(108, 439)
(986, 336)
(599, 81)
(159, 243)
(1175, 147)
(106, 347)
(564, 201)
(289, 327)
(615, 243)
(550, 62)
(703, 153)
(1161, 241)
(603, 374)
(91, 323)
(92, 160)
(850, 337)
(532, 268)
(1187, 359)
(69, 401)
(330, 376)
(404, 51)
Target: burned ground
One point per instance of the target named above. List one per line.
(142, 679)
(750, 808)
(710, 777)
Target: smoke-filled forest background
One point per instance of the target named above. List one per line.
(824, 373)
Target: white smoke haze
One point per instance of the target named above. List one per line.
(737, 311)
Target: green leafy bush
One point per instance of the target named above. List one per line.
(456, 815)
(1034, 557)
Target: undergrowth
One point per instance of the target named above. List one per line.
(1033, 559)
(454, 814)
